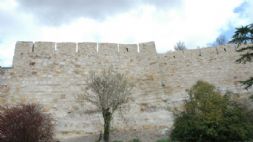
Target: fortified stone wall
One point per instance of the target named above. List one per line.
(55, 74)
(181, 69)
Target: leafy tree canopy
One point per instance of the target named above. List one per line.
(209, 117)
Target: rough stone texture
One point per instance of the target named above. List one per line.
(44, 48)
(54, 74)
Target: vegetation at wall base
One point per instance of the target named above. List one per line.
(25, 123)
(163, 140)
(136, 140)
(209, 117)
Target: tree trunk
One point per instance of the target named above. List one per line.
(107, 115)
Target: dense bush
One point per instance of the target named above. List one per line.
(209, 117)
(25, 123)
(136, 140)
(163, 140)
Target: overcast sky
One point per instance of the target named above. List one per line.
(196, 22)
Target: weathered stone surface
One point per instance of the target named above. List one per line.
(66, 48)
(128, 49)
(22, 51)
(87, 48)
(44, 48)
(55, 78)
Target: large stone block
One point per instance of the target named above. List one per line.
(128, 49)
(21, 55)
(87, 48)
(44, 48)
(66, 48)
(147, 48)
(23, 47)
(108, 49)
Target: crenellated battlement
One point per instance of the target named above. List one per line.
(27, 52)
(72, 48)
(107, 53)
(25, 49)
(86, 48)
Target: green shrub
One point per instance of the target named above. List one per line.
(135, 140)
(163, 140)
(209, 117)
(251, 97)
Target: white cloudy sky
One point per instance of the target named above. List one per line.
(196, 22)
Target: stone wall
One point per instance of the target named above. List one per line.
(55, 74)
(180, 70)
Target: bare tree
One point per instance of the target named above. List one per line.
(180, 46)
(108, 91)
(221, 40)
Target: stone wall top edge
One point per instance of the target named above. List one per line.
(149, 42)
(18, 42)
(144, 47)
(43, 42)
(202, 51)
(124, 45)
(86, 42)
(24, 43)
(147, 48)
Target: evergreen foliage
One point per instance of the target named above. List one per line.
(209, 117)
(244, 36)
